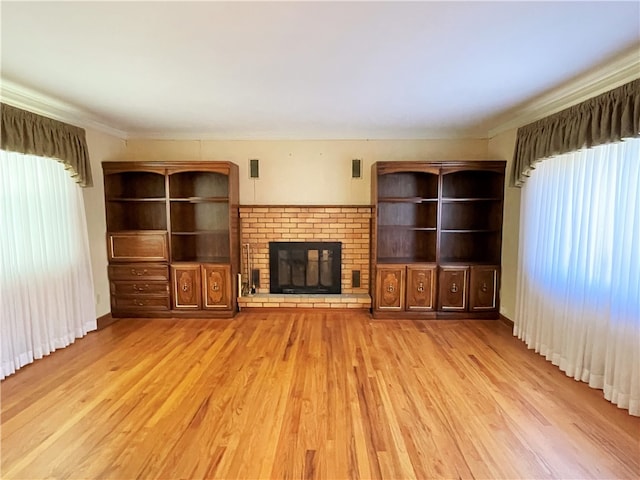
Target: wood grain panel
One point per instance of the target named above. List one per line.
(483, 287)
(390, 285)
(452, 293)
(130, 303)
(140, 288)
(421, 287)
(216, 286)
(137, 246)
(139, 271)
(186, 286)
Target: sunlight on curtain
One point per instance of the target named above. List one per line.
(46, 286)
(578, 294)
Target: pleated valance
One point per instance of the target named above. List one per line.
(607, 118)
(29, 133)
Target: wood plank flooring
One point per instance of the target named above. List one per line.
(308, 395)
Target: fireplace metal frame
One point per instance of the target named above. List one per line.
(336, 267)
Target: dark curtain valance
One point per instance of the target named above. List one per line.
(29, 133)
(607, 118)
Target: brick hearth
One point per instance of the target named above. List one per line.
(350, 225)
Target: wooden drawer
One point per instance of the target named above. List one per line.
(139, 271)
(137, 246)
(139, 302)
(139, 288)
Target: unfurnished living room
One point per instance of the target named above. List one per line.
(321, 240)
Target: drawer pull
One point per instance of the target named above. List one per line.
(454, 288)
(136, 272)
(139, 303)
(484, 287)
(215, 287)
(141, 289)
(420, 287)
(390, 289)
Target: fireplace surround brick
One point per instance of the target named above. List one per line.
(350, 225)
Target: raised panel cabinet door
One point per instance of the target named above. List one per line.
(390, 288)
(186, 287)
(453, 288)
(483, 288)
(421, 288)
(216, 286)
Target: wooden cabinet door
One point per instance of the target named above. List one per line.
(483, 288)
(186, 287)
(390, 288)
(421, 287)
(216, 286)
(453, 288)
(137, 246)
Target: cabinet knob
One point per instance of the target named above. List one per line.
(185, 287)
(421, 287)
(390, 288)
(215, 287)
(484, 287)
(454, 288)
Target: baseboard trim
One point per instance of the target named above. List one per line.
(506, 321)
(105, 320)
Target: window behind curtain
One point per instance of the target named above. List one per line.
(578, 298)
(46, 286)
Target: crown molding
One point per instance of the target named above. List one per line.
(411, 135)
(25, 98)
(623, 69)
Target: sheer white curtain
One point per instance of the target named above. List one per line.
(578, 294)
(46, 287)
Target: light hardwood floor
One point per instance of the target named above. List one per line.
(308, 395)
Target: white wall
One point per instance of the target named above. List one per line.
(311, 172)
(501, 146)
(101, 147)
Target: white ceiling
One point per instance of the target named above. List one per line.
(293, 70)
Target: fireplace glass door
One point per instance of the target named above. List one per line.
(305, 267)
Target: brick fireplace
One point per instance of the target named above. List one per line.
(350, 225)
